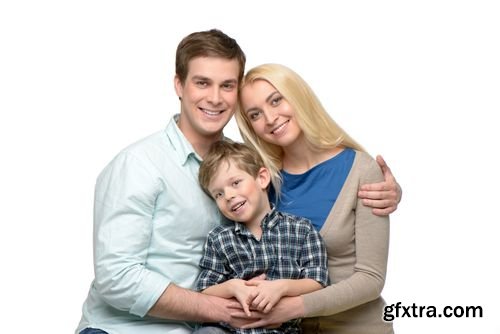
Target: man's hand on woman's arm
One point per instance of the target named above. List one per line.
(383, 197)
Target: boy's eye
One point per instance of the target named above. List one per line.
(217, 195)
(235, 183)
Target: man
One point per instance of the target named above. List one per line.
(151, 217)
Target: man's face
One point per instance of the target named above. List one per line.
(208, 97)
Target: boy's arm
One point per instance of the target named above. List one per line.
(268, 293)
(297, 287)
(227, 289)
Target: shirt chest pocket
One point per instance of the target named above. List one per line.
(286, 267)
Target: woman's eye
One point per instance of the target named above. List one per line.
(254, 115)
(276, 100)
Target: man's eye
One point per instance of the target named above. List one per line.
(228, 86)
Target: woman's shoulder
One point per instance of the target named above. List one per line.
(367, 167)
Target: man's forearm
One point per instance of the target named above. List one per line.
(177, 303)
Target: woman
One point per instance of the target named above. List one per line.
(317, 171)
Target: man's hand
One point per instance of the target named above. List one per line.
(287, 308)
(383, 197)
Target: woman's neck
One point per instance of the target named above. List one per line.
(299, 159)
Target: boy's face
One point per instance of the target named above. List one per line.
(240, 196)
(208, 96)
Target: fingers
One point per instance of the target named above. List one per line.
(234, 304)
(380, 186)
(258, 278)
(384, 212)
(381, 162)
(379, 203)
(246, 309)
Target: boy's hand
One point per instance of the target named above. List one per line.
(243, 293)
(267, 294)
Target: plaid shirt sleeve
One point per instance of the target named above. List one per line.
(213, 264)
(313, 258)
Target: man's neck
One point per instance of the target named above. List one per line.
(200, 143)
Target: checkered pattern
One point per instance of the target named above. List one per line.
(289, 248)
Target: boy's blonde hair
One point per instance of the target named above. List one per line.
(241, 155)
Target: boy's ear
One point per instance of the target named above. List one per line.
(263, 177)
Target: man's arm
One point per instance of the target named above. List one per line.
(383, 197)
(177, 303)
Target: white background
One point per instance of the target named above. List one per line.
(417, 81)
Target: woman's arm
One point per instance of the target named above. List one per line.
(371, 242)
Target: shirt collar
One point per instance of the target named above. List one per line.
(180, 144)
(270, 220)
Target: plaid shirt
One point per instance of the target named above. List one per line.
(290, 248)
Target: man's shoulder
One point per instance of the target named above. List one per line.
(139, 152)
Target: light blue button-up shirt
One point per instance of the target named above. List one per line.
(151, 219)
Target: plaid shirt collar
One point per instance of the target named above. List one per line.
(270, 220)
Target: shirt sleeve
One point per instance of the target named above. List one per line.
(371, 234)
(124, 207)
(313, 257)
(213, 264)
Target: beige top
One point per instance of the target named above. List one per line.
(357, 242)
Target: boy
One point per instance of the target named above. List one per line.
(286, 248)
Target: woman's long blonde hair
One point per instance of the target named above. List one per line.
(320, 130)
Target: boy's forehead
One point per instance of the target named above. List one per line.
(226, 170)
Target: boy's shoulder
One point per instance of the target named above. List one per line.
(224, 227)
(293, 220)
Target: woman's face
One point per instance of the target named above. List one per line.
(271, 116)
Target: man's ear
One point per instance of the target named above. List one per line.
(264, 177)
(179, 88)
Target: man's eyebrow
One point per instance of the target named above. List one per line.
(230, 81)
(200, 77)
